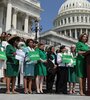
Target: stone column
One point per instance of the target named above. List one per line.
(14, 23)
(50, 43)
(26, 24)
(81, 31)
(63, 22)
(71, 20)
(80, 19)
(86, 31)
(75, 19)
(67, 20)
(84, 18)
(65, 33)
(70, 33)
(8, 16)
(88, 19)
(60, 22)
(1, 19)
(75, 33)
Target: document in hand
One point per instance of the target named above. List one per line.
(20, 55)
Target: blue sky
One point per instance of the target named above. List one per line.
(50, 8)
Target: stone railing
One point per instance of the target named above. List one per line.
(21, 33)
(35, 2)
(58, 35)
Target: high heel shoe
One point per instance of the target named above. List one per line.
(25, 92)
(73, 91)
(70, 92)
(30, 92)
(7, 92)
(82, 94)
(37, 92)
(41, 92)
(14, 92)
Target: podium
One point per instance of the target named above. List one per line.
(87, 59)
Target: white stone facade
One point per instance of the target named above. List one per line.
(72, 20)
(18, 16)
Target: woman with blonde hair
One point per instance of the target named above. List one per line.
(40, 68)
(72, 78)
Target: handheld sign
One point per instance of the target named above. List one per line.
(34, 55)
(3, 55)
(66, 58)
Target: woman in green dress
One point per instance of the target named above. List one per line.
(40, 68)
(81, 48)
(12, 63)
(72, 77)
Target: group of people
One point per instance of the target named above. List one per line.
(51, 67)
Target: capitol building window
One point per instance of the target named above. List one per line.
(77, 19)
(81, 19)
(73, 19)
(65, 20)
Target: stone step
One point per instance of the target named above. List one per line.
(3, 85)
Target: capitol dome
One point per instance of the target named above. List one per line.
(74, 4)
(73, 18)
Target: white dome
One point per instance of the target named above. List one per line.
(74, 4)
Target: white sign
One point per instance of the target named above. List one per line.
(20, 55)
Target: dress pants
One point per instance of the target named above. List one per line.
(61, 82)
(50, 82)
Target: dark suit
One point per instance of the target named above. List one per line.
(51, 72)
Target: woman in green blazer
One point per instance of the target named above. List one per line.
(81, 48)
(12, 63)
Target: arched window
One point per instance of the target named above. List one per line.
(69, 20)
(81, 19)
(73, 4)
(78, 33)
(58, 22)
(65, 20)
(73, 19)
(64, 7)
(86, 19)
(77, 19)
(70, 5)
(73, 34)
(67, 6)
(61, 22)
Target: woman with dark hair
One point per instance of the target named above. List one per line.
(62, 75)
(3, 36)
(81, 48)
(28, 67)
(51, 69)
(12, 63)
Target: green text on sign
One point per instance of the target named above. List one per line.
(34, 55)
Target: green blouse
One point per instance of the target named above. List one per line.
(80, 60)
